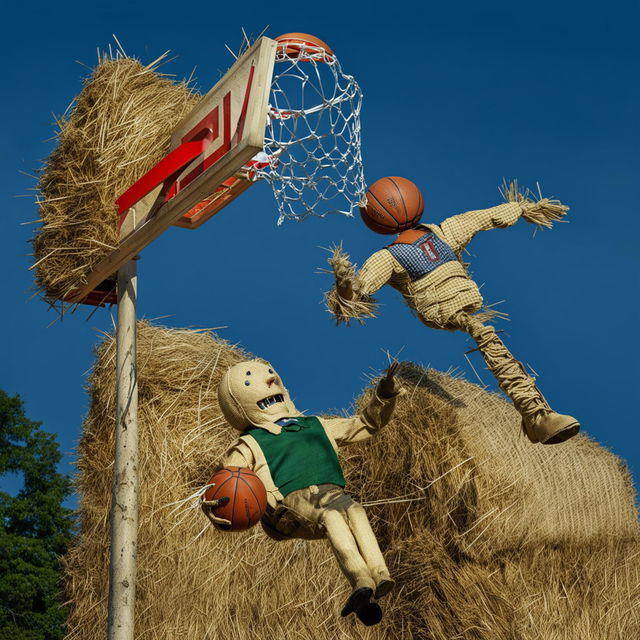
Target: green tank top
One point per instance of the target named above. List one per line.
(300, 455)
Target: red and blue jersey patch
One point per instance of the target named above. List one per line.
(423, 256)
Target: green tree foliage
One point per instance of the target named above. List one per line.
(36, 528)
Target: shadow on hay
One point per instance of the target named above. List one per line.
(417, 376)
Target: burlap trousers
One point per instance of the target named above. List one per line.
(347, 528)
(509, 372)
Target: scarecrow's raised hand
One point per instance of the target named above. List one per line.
(388, 387)
(343, 271)
(346, 300)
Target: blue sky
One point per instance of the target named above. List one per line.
(455, 98)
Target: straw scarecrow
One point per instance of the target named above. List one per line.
(295, 456)
(425, 265)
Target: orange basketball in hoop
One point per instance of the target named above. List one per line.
(296, 45)
(393, 205)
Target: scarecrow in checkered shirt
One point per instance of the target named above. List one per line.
(424, 263)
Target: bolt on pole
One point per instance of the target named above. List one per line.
(124, 508)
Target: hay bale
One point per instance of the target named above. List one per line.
(499, 493)
(195, 582)
(569, 593)
(118, 128)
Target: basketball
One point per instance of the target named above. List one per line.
(289, 44)
(246, 493)
(394, 204)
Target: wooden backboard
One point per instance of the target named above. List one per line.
(218, 137)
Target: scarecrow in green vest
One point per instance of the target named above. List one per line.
(296, 458)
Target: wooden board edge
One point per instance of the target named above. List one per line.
(167, 215)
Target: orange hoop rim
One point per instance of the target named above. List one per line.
(291, 45)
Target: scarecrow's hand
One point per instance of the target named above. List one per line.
(388, 387)
(539, 211)
(344, 273)
(208, 506)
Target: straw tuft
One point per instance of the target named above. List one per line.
(542, 212)
(345, 301)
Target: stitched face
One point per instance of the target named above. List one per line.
(252, 393)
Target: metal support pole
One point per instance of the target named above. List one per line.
(124, 509)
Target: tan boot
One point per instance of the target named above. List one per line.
(550, 427)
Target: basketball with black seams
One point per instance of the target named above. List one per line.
(393, 205)
(247, 497)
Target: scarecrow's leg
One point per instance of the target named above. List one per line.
(509, 372)
(539, 421)
(354, 567)
(327, 509)
(368, 545)
(346, 550)
(326, 505)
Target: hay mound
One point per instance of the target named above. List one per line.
(488, 536)
(500, 493)
(119, 127)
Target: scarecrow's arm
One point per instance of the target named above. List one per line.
(459, 230)
(372, 418)
(350, 298)
(239, 455)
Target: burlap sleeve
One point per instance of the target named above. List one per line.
(376, 272)
(239, 455)
(375, 415)
(459, 230)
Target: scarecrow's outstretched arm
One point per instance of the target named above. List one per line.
(350, 298)
(375, 415)
(459, 230)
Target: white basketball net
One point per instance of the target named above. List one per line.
(312, 139)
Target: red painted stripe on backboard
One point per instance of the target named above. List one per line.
(221, 150)
(209, 122)
(194, 143)
(169, 165)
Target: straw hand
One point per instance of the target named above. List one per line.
(388, 387)
(344, 273)
(208, 506)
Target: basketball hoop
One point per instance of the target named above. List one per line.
(284, 112)
(311, 156)
(312, 137)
